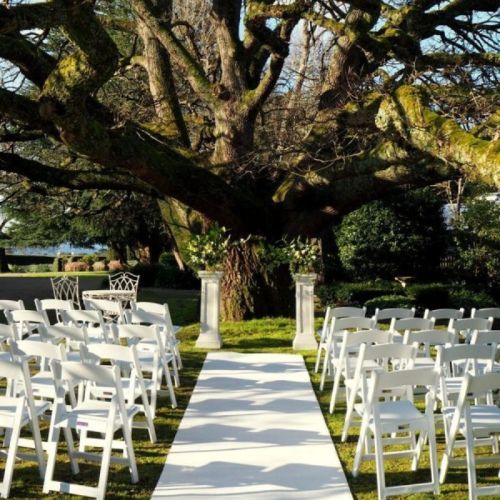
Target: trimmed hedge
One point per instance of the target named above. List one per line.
(356, 293)
(430, 296)
(386, 301)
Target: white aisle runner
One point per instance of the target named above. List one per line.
(253, 429)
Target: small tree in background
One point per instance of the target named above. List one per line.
(383, 239)
(477, 239)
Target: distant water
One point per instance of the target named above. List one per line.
(52, 251)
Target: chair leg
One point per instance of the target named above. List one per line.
(170, 386)
(326, 361)
(52, 443)
(433, 457)
(359, 447)
(335, 389)
(106, 460)
(37, 439)
(379, 463)
(75, 469)
(11, 458)
(471, 460)
(318, 359)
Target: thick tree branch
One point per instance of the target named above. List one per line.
(407, 113)
(179, 54)
(34, 63)
(72, 179)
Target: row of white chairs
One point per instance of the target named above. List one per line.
(365, 359)
(400, 319)
(102, 400)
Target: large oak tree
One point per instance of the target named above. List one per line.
(271, 117)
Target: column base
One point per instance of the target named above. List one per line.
(304, 341)
(209, 341)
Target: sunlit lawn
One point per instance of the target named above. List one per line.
(267, 335)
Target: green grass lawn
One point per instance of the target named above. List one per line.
(266, 335)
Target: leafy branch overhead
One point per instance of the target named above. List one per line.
(269, 117)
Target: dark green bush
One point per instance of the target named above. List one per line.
(148, 273)
(341, 293)
(430, 296)
(169, 277)
(402, 236)
(386, 301)
(466, 298)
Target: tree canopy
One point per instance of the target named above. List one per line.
(270, 117)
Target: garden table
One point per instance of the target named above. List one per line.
(118, 295)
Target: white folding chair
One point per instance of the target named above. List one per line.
(426, 340)
(74, 337)
(349, 351)
(140, 317)
(486, 313)
(391, 313)
(152, 356)
(8, 333)
(374, 357)
(399, 327)
(454, 362)
(112, 310)
(474, 423)
(11, 305)
(335, 335)
(334, 312)
(66, 288)
(92, 415)
(56, 305)
(28, 322)
(133, 384)
(488, 337)
(444, 314)
(16, 413)
(93, 321)
(465, 327)
(124, 281)
(399, 416)
(42, 382)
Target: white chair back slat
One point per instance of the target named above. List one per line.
(391, 313)
(11, 305)
(486, 313)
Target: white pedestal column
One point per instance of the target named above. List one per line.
(304, 312)
(210, 310)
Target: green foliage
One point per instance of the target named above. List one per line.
(303, 255)
(477, 238)
(345, 293)
(386, 301)
(467, 298)
(207, 251)
(430, 296)
(166, 274)
(383, 239)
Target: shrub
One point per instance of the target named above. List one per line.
(353, 293)
(89, 259)
(76, 267)
(386, 301)
(57, 264)
(147, 272)
(430, 296)
(116, 265)
(463, 297)
(169, 277)
(383, 239)
(477, 239)
(14, 268)
(100, 265)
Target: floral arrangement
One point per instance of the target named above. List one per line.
(303, 255)
(207, 251)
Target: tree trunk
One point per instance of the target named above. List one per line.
(249, 290)
(4, 265)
